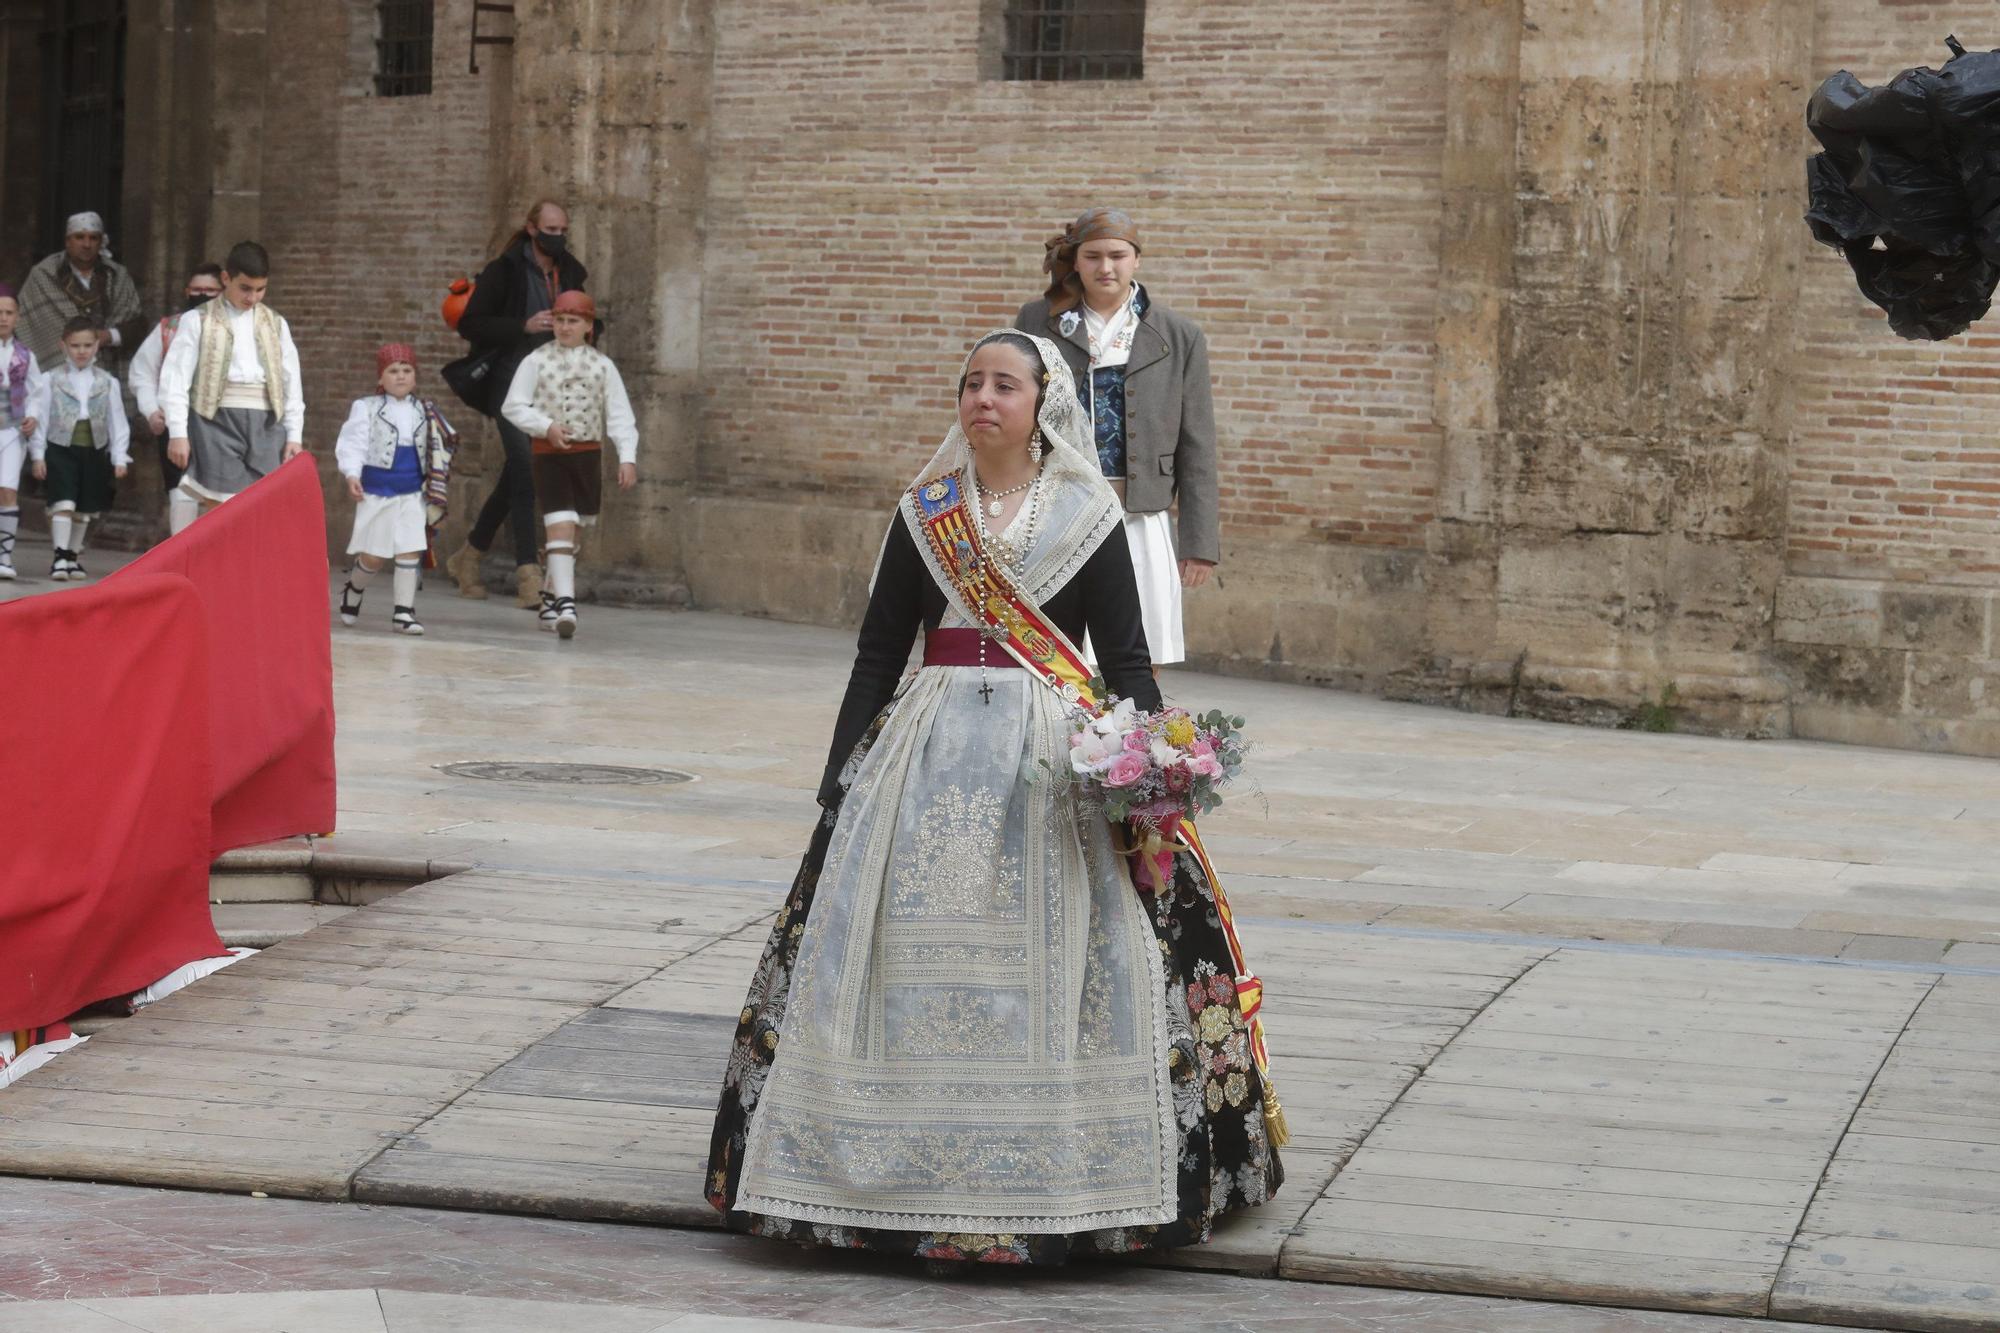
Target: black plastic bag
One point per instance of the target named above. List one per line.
(1909, 189)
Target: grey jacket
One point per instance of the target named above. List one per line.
(1169, 417)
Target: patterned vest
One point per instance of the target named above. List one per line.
(570, 390)
(218, 339)
(64, 409)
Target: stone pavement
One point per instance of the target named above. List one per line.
(1646, 1020)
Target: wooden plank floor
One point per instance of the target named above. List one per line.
(291, 1070)
(609, 1116)
(1906, 1229)
(1626, 1129)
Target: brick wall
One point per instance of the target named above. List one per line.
(1895, 458)
(875, 204)
(371, 205)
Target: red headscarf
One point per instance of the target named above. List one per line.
(1059, 260)
(388, 354)
(575, 303)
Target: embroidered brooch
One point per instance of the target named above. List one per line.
(1070, 320)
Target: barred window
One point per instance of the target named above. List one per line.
(1073, 39)
(403, 47)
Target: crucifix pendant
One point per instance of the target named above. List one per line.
(986, 693)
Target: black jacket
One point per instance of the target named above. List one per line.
(1102, 597)
(499, 307)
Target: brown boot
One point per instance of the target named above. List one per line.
(463, 566)
(528, 587)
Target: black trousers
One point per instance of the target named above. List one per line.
(512, 500)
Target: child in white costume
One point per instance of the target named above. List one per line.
(393, 449)
(570, 400)
(20, 394)
(84, 446)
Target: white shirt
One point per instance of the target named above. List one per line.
(1111, 336)
(177, 371)
(144, 372)
(619, 423)
(350, 450)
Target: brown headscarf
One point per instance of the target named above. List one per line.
(1059, 260)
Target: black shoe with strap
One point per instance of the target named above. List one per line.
(350, 603)
(404, 621)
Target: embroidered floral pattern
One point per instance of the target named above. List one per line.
(956, 867)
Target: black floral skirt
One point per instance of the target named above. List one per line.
(1226, 1160)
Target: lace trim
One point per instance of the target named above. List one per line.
(1020, 1226)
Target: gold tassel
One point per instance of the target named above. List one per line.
(1276, 1131)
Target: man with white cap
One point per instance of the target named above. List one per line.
(80, 279)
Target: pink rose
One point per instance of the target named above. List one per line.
(1136, 742)
(1205, 766)
(1125, 770)
(1202, 746)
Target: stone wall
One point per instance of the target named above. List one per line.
(1533, 394)
(1892, 543)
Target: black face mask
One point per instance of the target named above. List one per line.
(552, 244)
(193, 299)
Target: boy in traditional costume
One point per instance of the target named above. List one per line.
(395, 451)
(85, 447)
(569, 398)
(20, 391)
(229, 387)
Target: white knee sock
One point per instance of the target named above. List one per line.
(358, 575)
(10, 523)
(81, 526)
(59, 525)
(182, 509)
(406, 583)
(562, 569)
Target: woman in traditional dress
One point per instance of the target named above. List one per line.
(969, 1036)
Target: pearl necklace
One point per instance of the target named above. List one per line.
(1009, 550)
(993, 498)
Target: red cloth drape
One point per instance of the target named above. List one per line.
(259, 565)
(105, 785)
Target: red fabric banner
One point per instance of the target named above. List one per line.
(105, 786)
(259, 565)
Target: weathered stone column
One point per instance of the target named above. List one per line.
(611, 114)
(1620, 266)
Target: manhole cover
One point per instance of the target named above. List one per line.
(580, 775)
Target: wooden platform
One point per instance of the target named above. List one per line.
(1629, 1126)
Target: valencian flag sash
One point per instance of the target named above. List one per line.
(1010, 619)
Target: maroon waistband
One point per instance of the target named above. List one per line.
(960, 647)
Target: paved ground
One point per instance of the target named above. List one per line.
(1648, 1020)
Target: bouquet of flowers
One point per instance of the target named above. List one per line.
(1151, 771)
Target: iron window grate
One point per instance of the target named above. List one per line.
(1053, 40)
(403, 50)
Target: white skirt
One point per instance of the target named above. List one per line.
(1158, 573)
(388, 525)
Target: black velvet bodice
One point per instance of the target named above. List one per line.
(1102, 598)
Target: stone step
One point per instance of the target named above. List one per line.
(260, 925)
(305, 870)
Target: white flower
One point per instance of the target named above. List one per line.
(1163, 754)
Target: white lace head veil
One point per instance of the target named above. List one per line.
(1079, 508)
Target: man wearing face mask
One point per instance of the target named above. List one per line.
(510, 310)
(203, 286)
